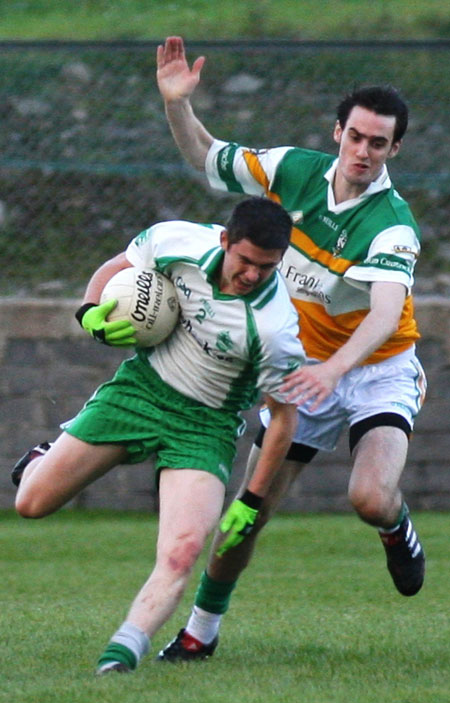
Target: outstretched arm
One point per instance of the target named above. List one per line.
(276, 442)
(102, 275)
(177, 82)
(240, 517)
(319, 380)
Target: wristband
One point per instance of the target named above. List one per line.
(251, 499)
(81, 310)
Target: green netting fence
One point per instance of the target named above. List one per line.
(87, 160)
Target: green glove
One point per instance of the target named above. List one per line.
(92, 318)
(239, 520)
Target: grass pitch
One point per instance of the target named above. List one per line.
(315, 618)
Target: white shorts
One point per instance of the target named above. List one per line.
(396, 385)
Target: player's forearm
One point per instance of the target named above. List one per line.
(369, 336)
(101, 277)
(381, 322)
(191, 137)
(277, 440)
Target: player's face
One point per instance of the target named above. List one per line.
(246, 266)
(365, 144)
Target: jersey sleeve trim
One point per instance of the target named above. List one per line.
(362, 277)
(239, 169)
(392, 257)
(219, 166)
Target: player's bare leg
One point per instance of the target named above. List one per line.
(199, 639)
(190, 506)
(374, 492)
(379, 459)
(51, 480)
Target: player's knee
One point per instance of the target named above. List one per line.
(31, 506)
(35, 500)
(182, 556)
(371, 505)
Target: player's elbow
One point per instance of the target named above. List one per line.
(197, 161)
(197, 158)
(394, 324)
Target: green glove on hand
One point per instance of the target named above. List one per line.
(239, 520)
(92, 318)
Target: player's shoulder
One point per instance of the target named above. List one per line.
(181, 228)
(273, 308)
(309, 156)
(301, 168)
(396, 211)
(399, 204)
(294, 153)
(181, 237)
(279, 157)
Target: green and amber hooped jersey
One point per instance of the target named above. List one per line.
(336, 251)
(225, 349)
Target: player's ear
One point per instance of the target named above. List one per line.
(224, 239)
(337, 134)
(395, 148)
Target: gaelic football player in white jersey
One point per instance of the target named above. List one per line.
(349, 270)
(237, 337)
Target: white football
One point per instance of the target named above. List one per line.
(147, 299)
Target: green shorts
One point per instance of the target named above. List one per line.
(139, 410)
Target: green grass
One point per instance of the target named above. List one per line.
(315, 618)
(203, 19)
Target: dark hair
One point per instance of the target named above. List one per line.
(265, 223)
(383, 100)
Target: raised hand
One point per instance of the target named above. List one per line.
(175, 79)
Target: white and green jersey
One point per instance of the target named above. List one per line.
(225, 348)
(336, 250)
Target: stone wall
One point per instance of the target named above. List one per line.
(49, 367)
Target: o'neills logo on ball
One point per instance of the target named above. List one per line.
(144, 284)
(151, 318)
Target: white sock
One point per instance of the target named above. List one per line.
(202, 625)
(134, 638)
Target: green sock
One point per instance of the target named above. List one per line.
(403, 512)
(214, 596)
(115, 652)
(128, 645)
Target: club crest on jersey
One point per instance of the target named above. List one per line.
(296, 216)
(340, 244)
(224, 342)
(405, 249)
